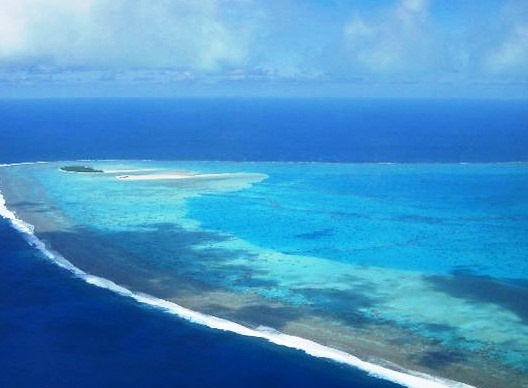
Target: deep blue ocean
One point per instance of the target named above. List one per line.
(56, 331)
(265, 130)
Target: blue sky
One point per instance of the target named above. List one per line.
(385, 48)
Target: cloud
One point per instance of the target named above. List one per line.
(395, 41)
(512, 55)
(428, 40)
(509, 55)
(127, 33)
(191, 42)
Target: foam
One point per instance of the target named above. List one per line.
(408, 378)
(21, 164)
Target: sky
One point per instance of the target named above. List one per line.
(322, 48)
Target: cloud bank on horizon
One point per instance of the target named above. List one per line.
(362, 44)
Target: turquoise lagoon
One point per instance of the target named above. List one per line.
(417, 267)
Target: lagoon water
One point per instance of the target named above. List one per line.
(418, 267)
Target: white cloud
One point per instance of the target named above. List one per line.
(513, 53)
(394, 41)
(129, 33)
(264, 40)
(510, 53)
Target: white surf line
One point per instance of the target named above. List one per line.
(22, 164)
(410, 379)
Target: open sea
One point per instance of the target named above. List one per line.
(264, 243)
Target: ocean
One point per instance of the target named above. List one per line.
(340, 130)
(393, 231)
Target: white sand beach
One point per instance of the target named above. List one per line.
(176, 175)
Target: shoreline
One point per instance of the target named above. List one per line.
(195, 295)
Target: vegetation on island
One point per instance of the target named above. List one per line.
(79, 169)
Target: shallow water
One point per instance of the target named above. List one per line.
(424, 265)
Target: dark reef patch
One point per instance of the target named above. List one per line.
(440, 359)
(341, 304)
(483, 289)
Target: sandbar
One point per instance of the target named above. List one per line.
(177, 175)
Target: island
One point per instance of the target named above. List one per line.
(80, 169)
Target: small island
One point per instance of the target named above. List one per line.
(79, 169)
